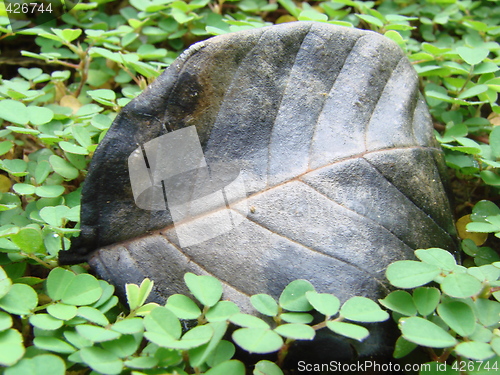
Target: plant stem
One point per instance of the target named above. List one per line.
(40, 261)
(444, 355)
(318, 326)
(455, 106)
(84, 71)
(283, 352)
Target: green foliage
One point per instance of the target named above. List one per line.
(460, 317)
(52, 120)
(75, 321)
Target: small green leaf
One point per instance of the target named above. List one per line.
(494, 143)
(265, 367)
(57, 282)
(73, 213)
(146, 309)
(403, 347)
(478, 351)
(312, 15)
(5, 321)
(107, 295)
(63, 167)
(5, 283)
(23, 130)
(17, 167)
(485, 273)
(481, 334)
(487, 311)
(49, 191)
(296, 331)
(60, 75)
(458, 316)
(24, 189)
(53, 344)
(77, 340)
(221, 311)
(422, 332)
(103, 96)
(232, 367)
(101, 122)
(129, 326)
(437, 257)
(401, 302)
(183, 307)
(295, 317)
(144, 290)
(473, 91)
(92, 315)
(83, 289)
(370, 19)
(426, 300)
(293, 297)
(45, 322)
(348, 330)
(265, 304)
(5, 147)
(28, 239)
(224, 351)
(485, 227)
(113, 56)
(483, 209)
(395, 36)
(96, 334)
(410, 274)
(193, 338)
(55, 215)
(67, 35)
(290, 6)
(82, 135)
(39, 115)
(461, 285)
(495, 345)
(162, 321)
(43, 364)
(73, 149)
(62, 311)
(132, 292)
(206, 289)
(201, 354)
(324, 303)
(257, 340)
(472, 56)
(361, 309)
(106, 302)
(11, 347)
(21, 300)
(124, 346)
(30, 74)
(141, 363)
(14, 111)
(249, 321)
(101, 361)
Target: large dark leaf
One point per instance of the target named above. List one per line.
(327, 129)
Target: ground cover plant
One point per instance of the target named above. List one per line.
(62, 84)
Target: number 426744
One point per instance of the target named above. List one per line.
(28, 8)
(463, 366)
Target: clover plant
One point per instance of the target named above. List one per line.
(74, 322)
(457, 317)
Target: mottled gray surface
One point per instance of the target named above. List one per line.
(343, 175)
